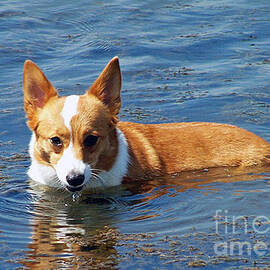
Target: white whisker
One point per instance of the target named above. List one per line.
(99, 178)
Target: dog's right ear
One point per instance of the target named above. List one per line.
(37, 90)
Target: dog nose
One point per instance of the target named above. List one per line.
(75, 180)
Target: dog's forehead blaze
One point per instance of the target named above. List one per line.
(85, 115)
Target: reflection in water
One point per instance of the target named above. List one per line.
(85, 233)
(68, 235)
(196, 180)
(67, 247)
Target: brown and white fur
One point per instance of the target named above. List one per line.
(78, 143)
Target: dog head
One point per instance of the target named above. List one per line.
(75, 136)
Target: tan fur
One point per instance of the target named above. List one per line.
(160, 149)
(94, 118)
(169, 148)
(37, 91)
(50, 124)
(108, 85)
(43, 108)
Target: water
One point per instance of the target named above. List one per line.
(181, 61)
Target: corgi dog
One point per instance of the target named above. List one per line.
(78, 143)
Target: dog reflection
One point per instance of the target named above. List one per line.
(71, 236)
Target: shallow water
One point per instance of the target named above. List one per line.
(181, 61)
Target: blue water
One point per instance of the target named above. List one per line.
(186, 60)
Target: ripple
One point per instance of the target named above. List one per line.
(88, 35)
(181, 60)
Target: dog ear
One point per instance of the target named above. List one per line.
(107, 87)
(37, 89)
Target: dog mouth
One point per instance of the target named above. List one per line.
(74, 189)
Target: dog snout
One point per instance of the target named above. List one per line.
(75, 180)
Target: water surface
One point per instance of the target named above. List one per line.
(181, 61)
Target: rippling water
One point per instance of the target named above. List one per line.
(181, 61)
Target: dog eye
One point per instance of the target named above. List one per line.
(90, 140)
(56, 141)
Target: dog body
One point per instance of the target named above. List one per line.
(77, 141)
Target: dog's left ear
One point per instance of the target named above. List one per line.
(107, 87)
